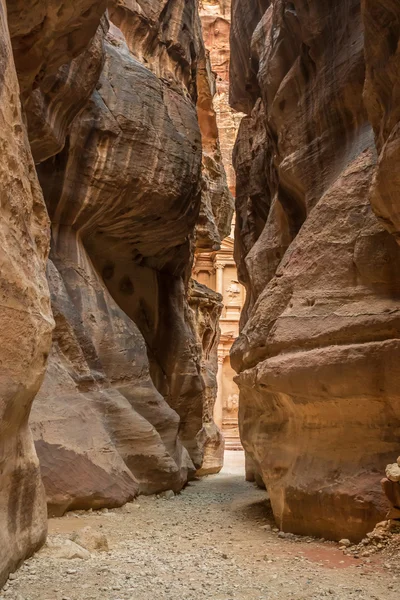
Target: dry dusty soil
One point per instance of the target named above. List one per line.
(211, 542)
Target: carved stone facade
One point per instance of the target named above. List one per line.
(217, 270)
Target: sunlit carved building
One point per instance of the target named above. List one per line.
(217, 270)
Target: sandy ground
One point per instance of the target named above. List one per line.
(211, 542)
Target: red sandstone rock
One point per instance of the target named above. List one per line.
(112, 120)
(52, 107)
(137, 236)
(318, 350)
(47, 35)
(216, 25)
(382, 99)
(392, 491)
(216, 210)
(25, 321)
(206, 306)
(102, 431)
(244, 89)
(130, 240)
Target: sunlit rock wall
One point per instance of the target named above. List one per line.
(317, 355)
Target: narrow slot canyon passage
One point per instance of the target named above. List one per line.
(211, 542)
(199, 300)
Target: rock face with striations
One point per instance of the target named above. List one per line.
(124, 196)
(216, 22)
(317, 355)
(382, 99)
(26, 323)
(111, 104)
(206, 306)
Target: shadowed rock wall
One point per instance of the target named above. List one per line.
(206, 308)
(317, 355)
(216, 22)
(382, 99)
(124, 196)
(112, 104)
(26, 323)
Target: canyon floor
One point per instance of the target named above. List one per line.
(211, 542)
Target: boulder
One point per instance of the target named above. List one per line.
(61, 548)
(91, 539)
(393, 472)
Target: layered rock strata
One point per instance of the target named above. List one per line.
(131, 242)
(319, 402)
(26, 323)
(112, 105)
(47, 35)
(217, 203)
(206, 308)
(216, 23)
(382, 99)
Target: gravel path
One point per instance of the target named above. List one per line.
(212, 542)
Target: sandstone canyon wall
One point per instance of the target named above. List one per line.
(124, 196)
(216, 23)
(26, 323)
(382, 100)
(116, 106)
(319, 346)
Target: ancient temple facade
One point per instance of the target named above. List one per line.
(217, 270)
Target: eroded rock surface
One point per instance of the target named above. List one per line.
(113, 124)
(113, 112)
(317, 354)
(216, 24)
(217, 203)
(382, 99)
(206, 307)
(103, 433)
(26, 323)
(47, 35)
(122, 247)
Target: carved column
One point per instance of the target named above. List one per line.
(219, 267)
(219, 405)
